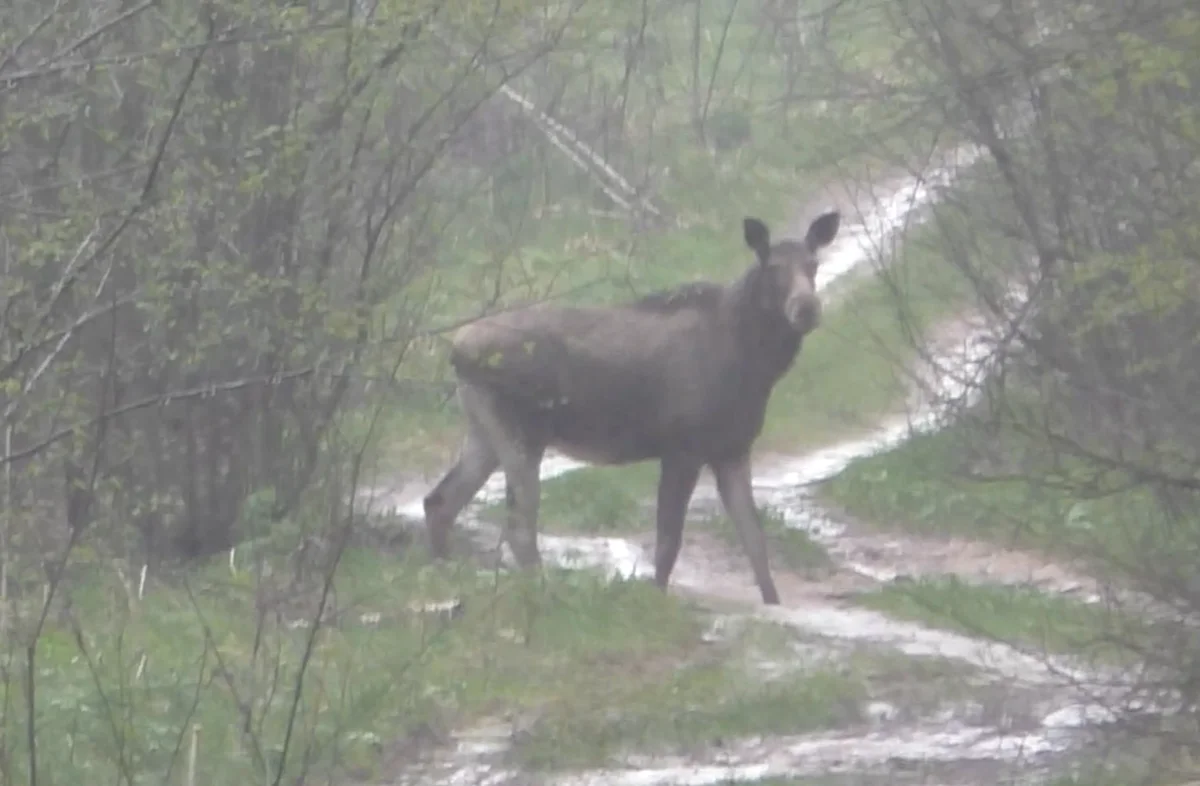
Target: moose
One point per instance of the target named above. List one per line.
(681, 376)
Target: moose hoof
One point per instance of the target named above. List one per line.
(439, 548)
(436, 528)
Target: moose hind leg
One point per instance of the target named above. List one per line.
(522, 496)
(676, 482)
(476, 463)
(521, 458)
(737, 496)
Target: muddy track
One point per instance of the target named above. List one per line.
(953, 747)
(1063, 697)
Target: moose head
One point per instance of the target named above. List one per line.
(787, 284)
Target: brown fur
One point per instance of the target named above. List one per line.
(682, 376)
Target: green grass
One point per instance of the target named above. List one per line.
(788, 546)
(1092, 775)
(378, 672)
(1133, 764)
(1097, 774)
(683, 710)
(723, 694)
(594, 501)
(920, 486)
(716, 696)
(1022, 616)
(618, 500)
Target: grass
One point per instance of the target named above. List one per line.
(788, 546)
(594, 501)
(1089, 774)
(1128, 764)
(1133, 770)
(717, 695)
(724, 694)
(125, 687)
(918, 687)
(617, 500)
(920, 487)
(682, 710)
(1025, 617)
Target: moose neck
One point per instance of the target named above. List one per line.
(769, 341)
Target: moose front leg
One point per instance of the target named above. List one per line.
(676, 482)
(737, 496)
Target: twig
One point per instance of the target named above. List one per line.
(33, 31)
(147, 185)
(97, 31)
(581, 154)
(712, 78)
(149, 401)
(191, 713)
(192, 750)
(63, 337)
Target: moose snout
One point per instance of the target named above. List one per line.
(803, 311)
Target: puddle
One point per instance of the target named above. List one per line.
(858, 624)
(823, 755)
(758, 758)
(615, 557)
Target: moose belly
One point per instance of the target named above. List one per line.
(604, 440)
(601, 454)
(630, 435)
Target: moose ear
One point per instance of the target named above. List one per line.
(823, 230)
(757, 237)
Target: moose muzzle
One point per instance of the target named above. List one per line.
(803, 310)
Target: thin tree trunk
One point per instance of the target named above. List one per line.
(697, 31)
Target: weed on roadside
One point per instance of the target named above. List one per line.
(732, 690)
(920, 486)
(682, 710)
(405, 651)
(1016, 615)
